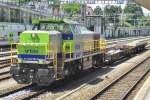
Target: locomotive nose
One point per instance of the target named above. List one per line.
(34, 63)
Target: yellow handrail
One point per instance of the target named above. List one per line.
(87, 46)
(49, 52)
(96, 45)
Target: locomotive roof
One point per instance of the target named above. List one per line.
(67, 21)
(33, 31)
(39, 31)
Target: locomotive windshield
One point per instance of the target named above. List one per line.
(60, 25)
(82, 29)
(49, 26)
(79, 29)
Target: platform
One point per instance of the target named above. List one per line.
(144, 92)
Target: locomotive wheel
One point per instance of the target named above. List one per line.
(18, 74)
(67, 72)
(79, 68)
(21, 80)
(94, 64)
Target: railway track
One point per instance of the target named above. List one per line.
(25, 93)
(4, 73)
(38, 92)
(5, 77)
(15, 89)
(122, 40)
(5, 63)
(121, 88)
(28, 93)
(133, 92)
(87, 91)
(5, 58)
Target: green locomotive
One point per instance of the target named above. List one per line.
(56, 49)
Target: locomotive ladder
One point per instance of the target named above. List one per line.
(55, 63)
(13, 57)
(60, 62)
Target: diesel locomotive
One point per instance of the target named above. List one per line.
(56, 49)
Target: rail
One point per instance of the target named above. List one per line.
(136, 83)
(121, 77)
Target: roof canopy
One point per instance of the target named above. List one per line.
(144, 3)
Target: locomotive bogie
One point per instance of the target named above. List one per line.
(33, 73)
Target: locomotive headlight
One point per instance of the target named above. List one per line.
(20, 60)
(33, 35)
(41, 61)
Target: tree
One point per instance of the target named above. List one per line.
(2, 14)
(133, 12)
(56, 6)
(55, 2)
(72, 9)
(112, 16)
(98, 11)
(113, 13)
(145, 21)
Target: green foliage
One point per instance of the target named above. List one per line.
(111, 9)
(21, 1)
(55, 2)
(145, 21)
(133, 12)
(113, 13)
(126, 24)
(72, 9)
(98, 11)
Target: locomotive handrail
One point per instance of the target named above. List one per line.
(101, 45)
(97, 46)
(49, 52)
(11, 55)
(66, 51)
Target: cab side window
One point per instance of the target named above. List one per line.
(74, 29)
(66, 29)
